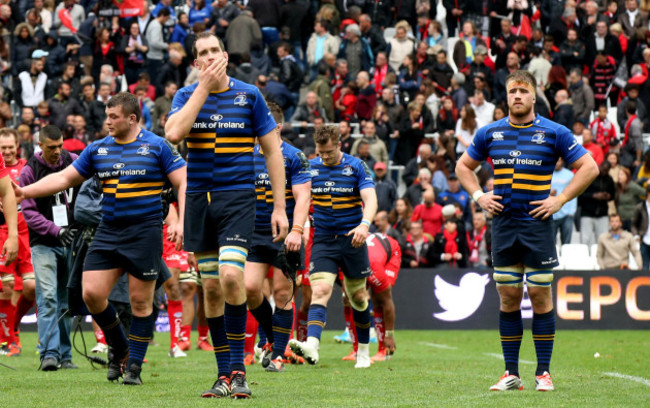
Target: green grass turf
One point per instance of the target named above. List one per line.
(431, 368)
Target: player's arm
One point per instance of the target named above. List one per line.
(51, 184)
(275, 165)
(302, 195)
(178, 178)
(465, 173)
(10, 247)
(180, 121)
(587, 171)
(360, 232)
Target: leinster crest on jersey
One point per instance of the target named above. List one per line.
(240, 100)
(539, 138)
(347, 171)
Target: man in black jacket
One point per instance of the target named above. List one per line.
(593, 205)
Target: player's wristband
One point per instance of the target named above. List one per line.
(390, 333)
(477, 194)
(563, 198)
(366, 223)
(297, 228)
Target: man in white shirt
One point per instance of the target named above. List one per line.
(484, 110)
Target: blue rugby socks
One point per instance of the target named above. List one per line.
(511, 329)
(282, 323)
(235, 319)
(113, 332)
(140, 335)
(543, 336)
(264, 315)
(316, 321)
(362, 325)
(220, 344)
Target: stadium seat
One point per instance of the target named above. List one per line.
(451, 43)
(576, 256)
(389, 32)
(593, 251)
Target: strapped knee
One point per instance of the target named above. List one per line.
(352, 286)
(208, 265)
(326, 277)
(189, 276)
(29, 276)
(509, 276)
(233, 256)
(539, 277)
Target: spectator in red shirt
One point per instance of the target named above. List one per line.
(429, 213)
(367, 98)
(593, 148)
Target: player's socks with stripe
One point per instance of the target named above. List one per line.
(109, 322)
(543, 336)
(282, 322)
(264, 315)
(301, 329)
(251, 334)
(362, 325)
(22, 307)
(511, 329)
(140, 335)
(380, 327)
(217, 328)
(175, 315)
(7, 313)
(235, 319)
(317, 319)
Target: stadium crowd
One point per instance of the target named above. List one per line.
(407, 82)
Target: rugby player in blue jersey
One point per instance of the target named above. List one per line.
(264, 252)
(524, 148)
(220, 118)
(345, 201)
(132, 164)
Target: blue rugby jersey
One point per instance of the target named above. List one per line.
(336, 194)
(524, 158)
(220, 143)
(132, 175)
(296, 171)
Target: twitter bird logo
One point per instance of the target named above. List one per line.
(461, 301)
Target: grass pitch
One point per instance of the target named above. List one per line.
(430, 369)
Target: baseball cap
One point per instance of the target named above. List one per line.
(452, 176)
(39, 54)
(380, 165)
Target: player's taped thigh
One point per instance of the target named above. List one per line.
(326, 277)
(233, 256)
(29, 276)
(509, 276)
(189, 276)
(208, 265)
(538, 277)
(352, 286)
(7, 279)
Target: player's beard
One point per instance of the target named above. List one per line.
(522, 112)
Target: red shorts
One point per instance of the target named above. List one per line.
(23, 263)
(172, 257)
(379, 281)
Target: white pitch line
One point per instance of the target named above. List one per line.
(500, 357)
(440, 346)
(640, 380)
